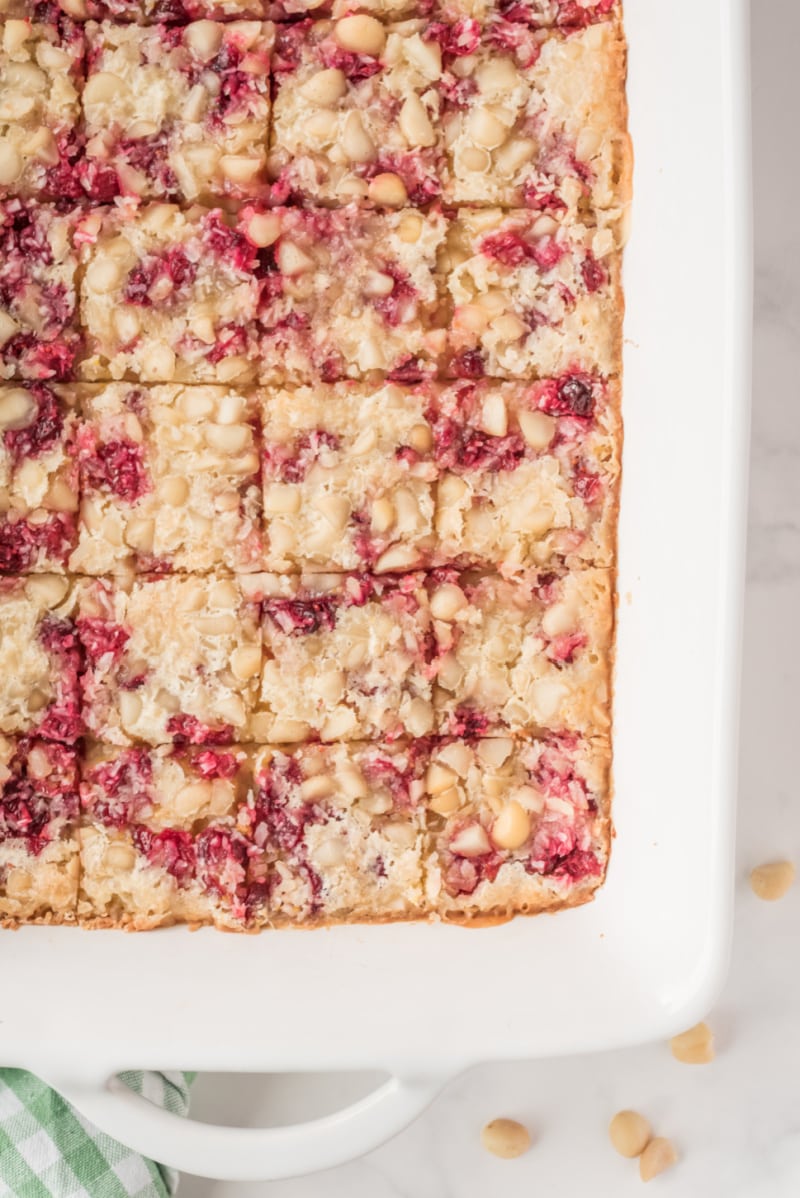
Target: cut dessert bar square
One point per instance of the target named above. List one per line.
(348, 477)
(527, 472)
(177, 111)
(40, 658)
(516, 826)
(536, 120)
(38, 477)
(533, 298)
(350, 290)
(346, 657)
(169, 295)
(39, 335)
(163, 840)
(357, 107)
(169, 479)
(341, 829)
(171, 659)
(529, 653)
(41, 68)
(38, 831)
(361, 657)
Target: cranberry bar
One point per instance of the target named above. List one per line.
(516, 826)
(341, 830)
(357, 113)
(348, 291)
(38, 477)
(39, 337)
(40, 659)
(346, 657)
(527, 472)
(533, 298)
(38, 831)
(348, 477)
(536, 120)
(163, 839)
(537, 14)
(169, 479)
(154, 12)
(168, 660)
(177, 112)
(41, 66)
(522, 654)
(169, 295)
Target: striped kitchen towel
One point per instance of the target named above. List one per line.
(47, 1150)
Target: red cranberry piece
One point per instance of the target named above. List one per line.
(24, 545)
(171, 849)
(587, 485)
(562, 649)
(300, 617)
(469, 724)
(173, 265)
(291, 464)
(469, 365)
(400, 304)
(594, 275)
(459, 39)
(124, 788)
(215, 765)
(101, 638)
(118, 467)
(229, 244)
(578, 864)
(188, 730)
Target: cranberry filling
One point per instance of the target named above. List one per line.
(118, 791)
(301, 617)
(188, 730)
(511, 249)
(562, 649)
(215, 765)
(459, 39)
(30, 806)
(469, 724)
(594, 275)
(573, 395)
(222, 856)
(24, 545)
(44, 431)
(400, 304)
(460, 448)
(62, 721)
(101, 638)
(158, 277)
(291, 464)
(171, 849)
(115, 466)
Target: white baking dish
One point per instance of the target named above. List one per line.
(648, 956)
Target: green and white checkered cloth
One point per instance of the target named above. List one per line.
(47, 1150)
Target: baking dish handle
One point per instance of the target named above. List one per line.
(250, 1154)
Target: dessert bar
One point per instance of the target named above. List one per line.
(177, 112)
(41, 71)
(39, 332)
(159, 840)
(348, 477)
(168, 660)
(40, 658)
(38, 477)
(516, 826)
(39, 812)
(169, 480)
(533, 298)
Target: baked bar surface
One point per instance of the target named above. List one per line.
(40, 658)
(517, 827)
(533, 297)
(39, 335)
(41, 68)
(533, 652)
(348, 477)
(168, 660)
(342, 830)
(38, 477)
(38, 831)
(161, 840)
(169, 479)
(168, 295)
(349, 291)
(537, 14)
(357, 109)
(527, 472)
(177, 112)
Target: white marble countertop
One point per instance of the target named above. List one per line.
(736, 1123)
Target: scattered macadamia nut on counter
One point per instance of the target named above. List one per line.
(695, 1046)
(629, 1133)
(506, 1138)
(658, 1156)
(771, 882)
